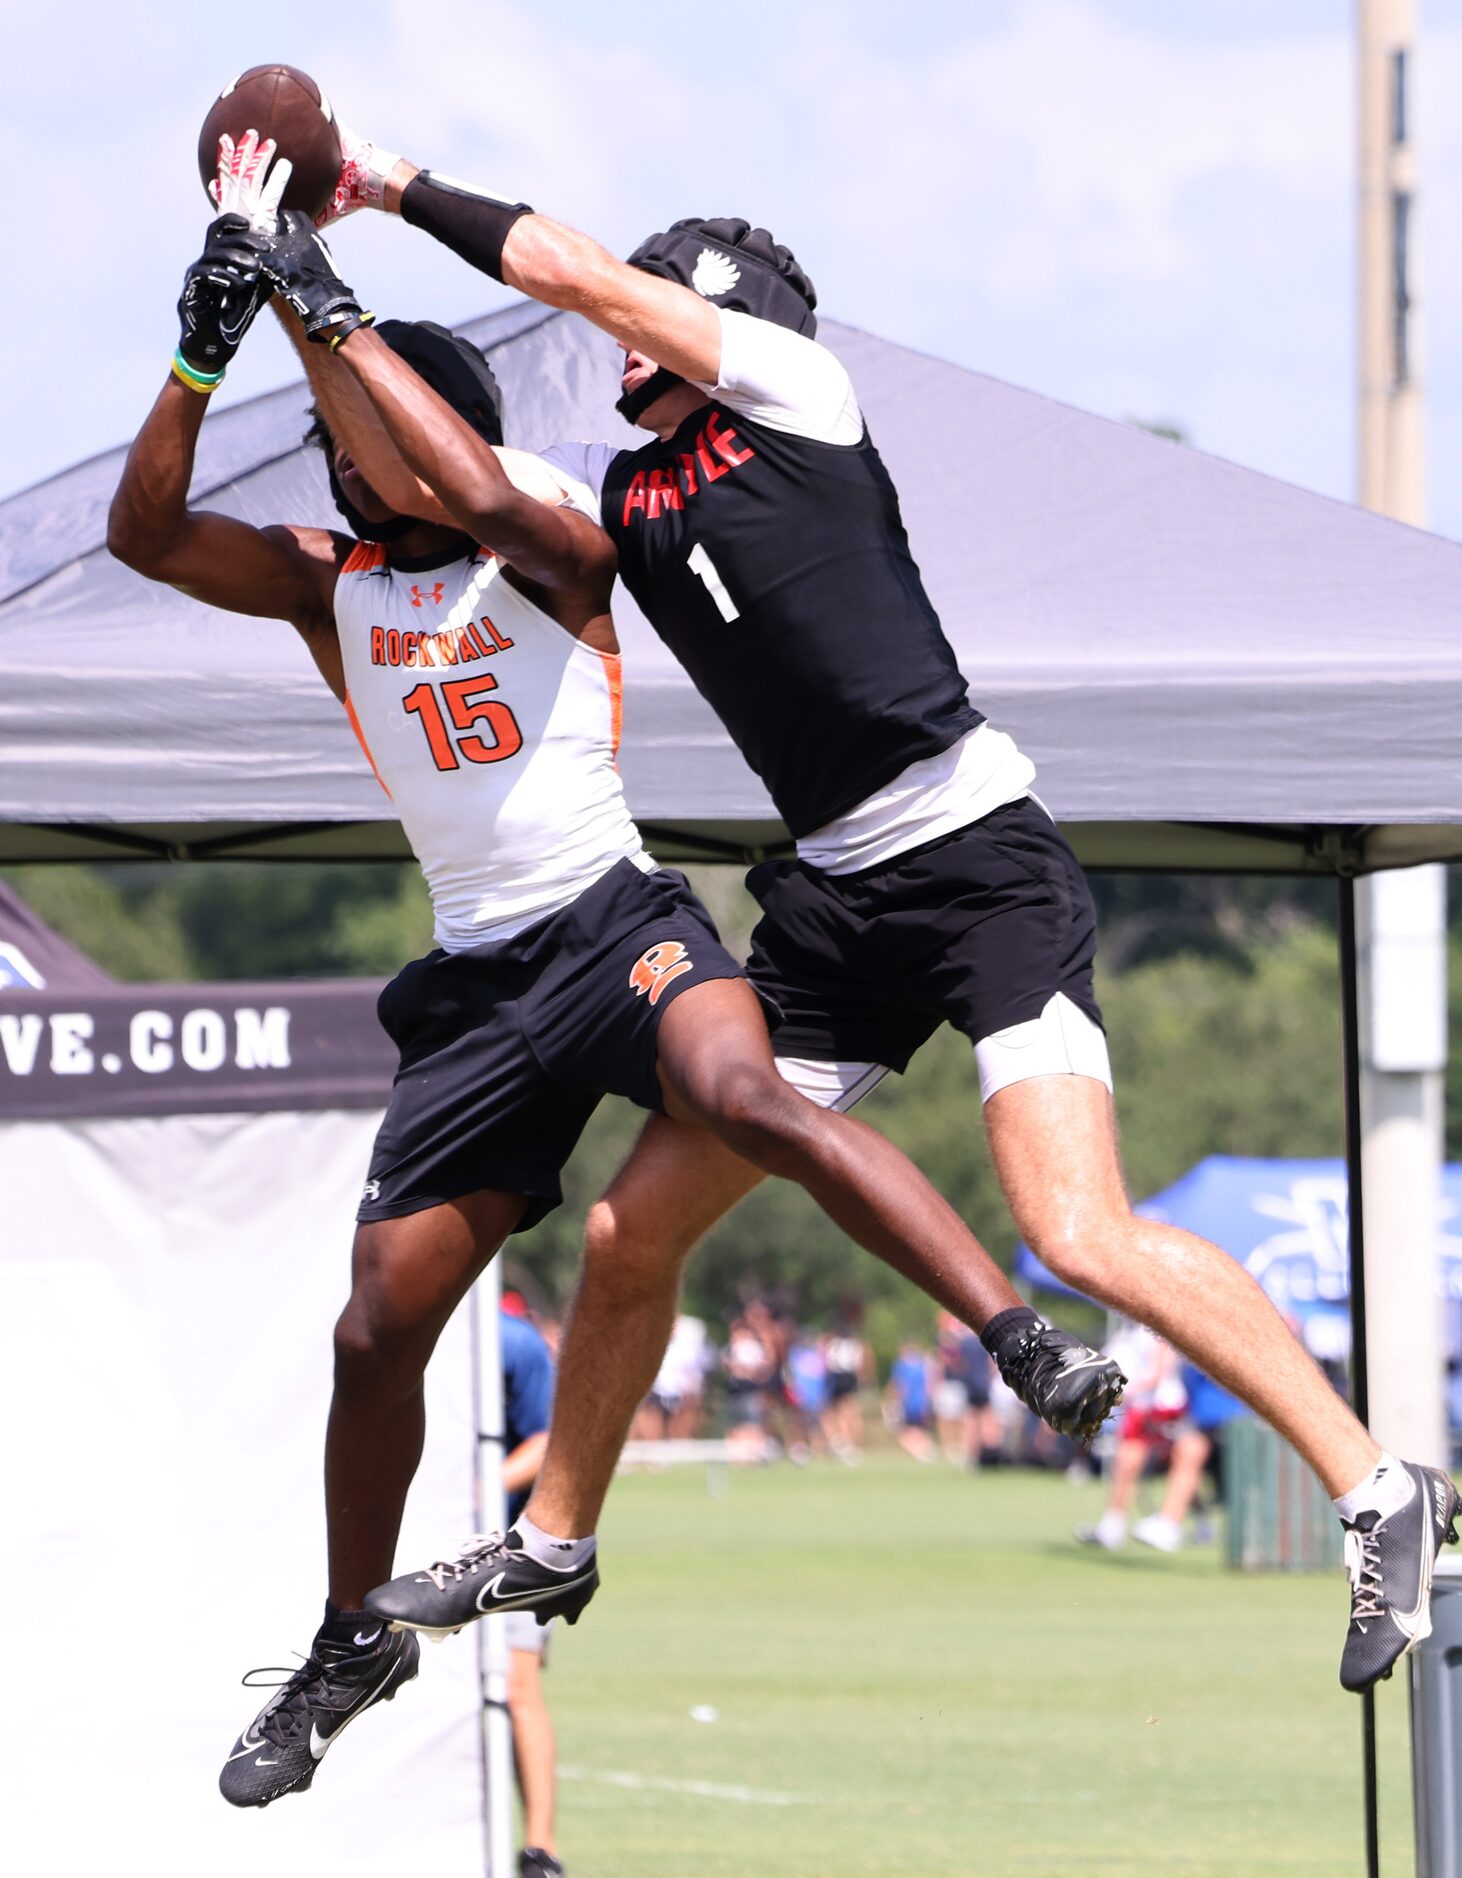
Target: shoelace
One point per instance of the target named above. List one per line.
(1363, 1563)
(288, 1714)
(472, 1554)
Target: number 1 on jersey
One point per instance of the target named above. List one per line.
(699, 562)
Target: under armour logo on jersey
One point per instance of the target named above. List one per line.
(658, 967)
(418, 598)
(715, 273)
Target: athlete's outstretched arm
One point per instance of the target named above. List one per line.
(278, 573)
(275, 573)
(553, 546)
(353, 422)
(562, 268)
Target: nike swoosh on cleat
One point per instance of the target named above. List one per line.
(266, 1763)
(493, 1596)
(245, 1747)
(365, 1641)
(319, 1742)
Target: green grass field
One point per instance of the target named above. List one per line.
(917, 1671)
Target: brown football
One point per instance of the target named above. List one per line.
(286, 104)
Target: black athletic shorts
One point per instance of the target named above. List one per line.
(506, 1051)
(980, 929)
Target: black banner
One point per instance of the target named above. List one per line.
(189, 1049)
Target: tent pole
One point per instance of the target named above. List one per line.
(491, 1513)
(1360, 1388)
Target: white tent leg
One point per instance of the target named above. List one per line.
(491, 1511)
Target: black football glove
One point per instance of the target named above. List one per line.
(303, 269)
(222, 291)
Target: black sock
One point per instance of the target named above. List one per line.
(1002, 1331)
(351, 1627)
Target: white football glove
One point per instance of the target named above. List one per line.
(249, 182)
(364, 168)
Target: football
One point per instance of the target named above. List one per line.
(286, 104)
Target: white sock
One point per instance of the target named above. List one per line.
(1385, 1490)
(563, 1555)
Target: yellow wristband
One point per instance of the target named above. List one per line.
(201, 382)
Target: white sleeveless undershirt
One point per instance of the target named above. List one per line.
(493, 730)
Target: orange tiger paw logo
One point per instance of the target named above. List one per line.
(658, 967)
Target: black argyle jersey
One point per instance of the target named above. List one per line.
(777, 570)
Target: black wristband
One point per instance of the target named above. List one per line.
(341, 329)
(472, 225)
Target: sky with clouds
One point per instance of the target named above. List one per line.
(1141, 208)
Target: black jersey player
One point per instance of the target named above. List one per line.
(482, 682)
(760, 534)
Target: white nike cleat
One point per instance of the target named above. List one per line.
(1390, 1559)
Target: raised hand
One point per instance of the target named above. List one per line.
(364, 170)
(303, 269)
(248, 183)
(222, 291)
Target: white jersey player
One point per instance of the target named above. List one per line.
(476, 657)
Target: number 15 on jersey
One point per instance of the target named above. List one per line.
(470, 710)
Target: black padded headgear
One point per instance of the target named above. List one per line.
(456, 371)
(731, 264)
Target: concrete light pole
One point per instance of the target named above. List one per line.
(1401, 917)
(1401, 945)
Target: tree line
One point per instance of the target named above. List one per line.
(1220, 994)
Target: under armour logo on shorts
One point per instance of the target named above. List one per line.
(658, 967)
(372, 1191)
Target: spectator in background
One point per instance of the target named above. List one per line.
(807, 1392)
(908, 1401)
(672, 1410)
(1154, 1405)
(770, 1320)
(971, 1430)
(1196, 1440)
(849, 1371)
(749, 1365)
(527, 1405)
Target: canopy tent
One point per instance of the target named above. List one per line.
(181, 1168)
(1210, 668)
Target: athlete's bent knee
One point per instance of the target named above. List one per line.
(630, 1255)
(376, 1351)
(1082, 1255)
(754, 1112)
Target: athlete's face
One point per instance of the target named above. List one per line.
(639, 368)
(358, 491)
(669, 410)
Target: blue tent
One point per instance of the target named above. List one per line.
(1287, 1221)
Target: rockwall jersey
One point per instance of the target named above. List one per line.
(776, 568)
(494, 732)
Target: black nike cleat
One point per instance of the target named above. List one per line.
(1390, 1560)
(286, 1741)
(534, 1862)
(490, 1573)
(1072, 1388)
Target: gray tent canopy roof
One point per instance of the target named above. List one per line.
(1210, 668)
